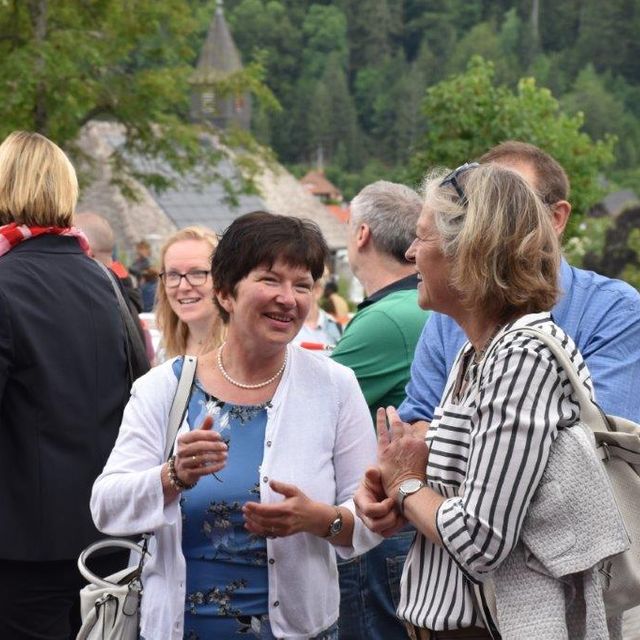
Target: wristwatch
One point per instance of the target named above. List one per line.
(408, 488)
(336, 525)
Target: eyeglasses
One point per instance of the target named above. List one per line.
(452, 179)
(195, 278)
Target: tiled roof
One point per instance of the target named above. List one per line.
(341, 213)
(317, 184)
(158, 214)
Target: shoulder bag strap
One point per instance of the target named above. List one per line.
(590, 412)
(133, 340)
(180, 401)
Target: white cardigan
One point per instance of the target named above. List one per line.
(319, 437)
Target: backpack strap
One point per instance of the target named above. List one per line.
(180, 402)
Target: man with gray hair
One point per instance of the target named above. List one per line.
(378, 344)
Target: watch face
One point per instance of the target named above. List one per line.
(411, 486)
(336, 526)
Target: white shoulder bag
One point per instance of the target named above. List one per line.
(110, 607)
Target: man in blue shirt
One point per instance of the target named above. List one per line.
(602, 315)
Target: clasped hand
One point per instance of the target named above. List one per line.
(402, 454)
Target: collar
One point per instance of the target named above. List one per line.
(566, 285)
(408, 282)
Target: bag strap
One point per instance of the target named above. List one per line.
(133, 340)
(590, 412)
(121, 543)
(180, 401)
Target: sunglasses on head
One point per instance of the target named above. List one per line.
(452, 179)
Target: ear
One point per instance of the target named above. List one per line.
(225, 300)
(560, 212)
(363, 235)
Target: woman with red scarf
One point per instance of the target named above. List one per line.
(63, 386)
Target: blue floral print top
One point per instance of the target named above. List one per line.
(226, 565)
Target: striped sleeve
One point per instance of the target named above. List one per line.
(517, 413)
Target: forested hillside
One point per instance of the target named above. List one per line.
(352, 75)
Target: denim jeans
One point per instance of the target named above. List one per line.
(370, 591)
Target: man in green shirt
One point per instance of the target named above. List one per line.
(378, 344)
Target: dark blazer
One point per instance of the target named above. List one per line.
(63, 387)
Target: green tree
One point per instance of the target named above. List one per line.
(266, 25)
(371, 26)
(332, 120)
(482, 40)
(469, 113)
(325, 35)
(65, 62)
(604, 112)
(608, 35)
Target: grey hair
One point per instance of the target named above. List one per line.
(391, 210)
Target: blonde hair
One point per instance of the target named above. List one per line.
(38, 184)
(175, 333)
(503, 249)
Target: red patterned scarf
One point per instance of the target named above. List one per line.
(12, 234)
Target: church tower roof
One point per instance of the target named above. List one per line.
(219, 56)
(218, 59)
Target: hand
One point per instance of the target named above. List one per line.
(402, 452)
(375, 509)
(199, 453)
(296, 513)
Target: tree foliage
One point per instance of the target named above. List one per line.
(65, 62)
(469, 113)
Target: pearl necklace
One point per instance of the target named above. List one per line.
(242, 385)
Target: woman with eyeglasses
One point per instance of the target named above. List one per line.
(488, 256)
(252, 549)
(185, 311)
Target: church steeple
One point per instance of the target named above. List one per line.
(218, 59)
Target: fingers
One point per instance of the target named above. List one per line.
(195, 459)
(373, 480)
(382, 517)
(381, 428)
(266, 520)
(204, 434)
(201, 441)
(396, 424)
(374, 509)
(372, 504)
(287, 490)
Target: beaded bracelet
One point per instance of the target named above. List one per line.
(176, 483)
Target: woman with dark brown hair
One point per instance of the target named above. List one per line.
(287, 433)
